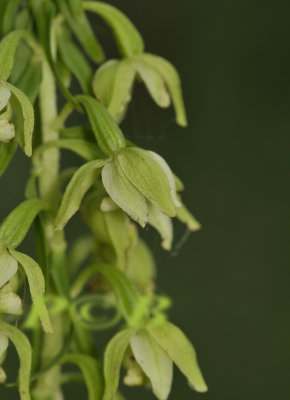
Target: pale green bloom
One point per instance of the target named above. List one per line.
(134, 179)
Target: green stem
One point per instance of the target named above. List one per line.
(48, 386)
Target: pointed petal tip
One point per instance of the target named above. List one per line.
(182, 122)
(201, 388)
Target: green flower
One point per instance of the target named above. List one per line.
(155, 349)
(134, 179)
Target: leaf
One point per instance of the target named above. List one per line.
(109, 136)
(24, 351)
(30, 81)
(113, 358)
(80, 183)
(7, 151)
(154, 83)
(76, 7)
(127, 296)
(16, 225)
(9, 15)
(148, 177)
(180, 350)
(74, 60)
(36, 286)
(83, 31)
(3, 5)
(123, 193)
(91, 372)
(8, 47)
(162, 223)
(155, 363)
(128, 38)
(88, 151)
(172, 80)
(25, 116)
(23, 55)
(44, 12)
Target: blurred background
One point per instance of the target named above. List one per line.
(229, 281)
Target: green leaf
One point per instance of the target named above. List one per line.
(155, 363)
(113, 358)
(91, 372)
(76, 7)
(36, 286)
(127, 296)
(74, 60)
(124, 193)
(145, 173)
(44, 12)
(16, 225)
(3, 5)
(162, 223)
(172, 80)
(109, 136)
(88, 151)
(180, 350)
(9, 15)
(154, 83)
(22, 58)
(7, 151)
(78, 132)
(128, 38)
(8, 266)
(30, 81)
(24, 351)
(25, 117)
(8, 47)
(80, 183)
(83, 31)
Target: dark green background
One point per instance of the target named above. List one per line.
(230, 281)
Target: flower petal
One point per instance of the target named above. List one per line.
(145, 173)
(155, 363)
(124, 193)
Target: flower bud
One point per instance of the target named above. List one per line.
(7, 131)
(10, 303)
